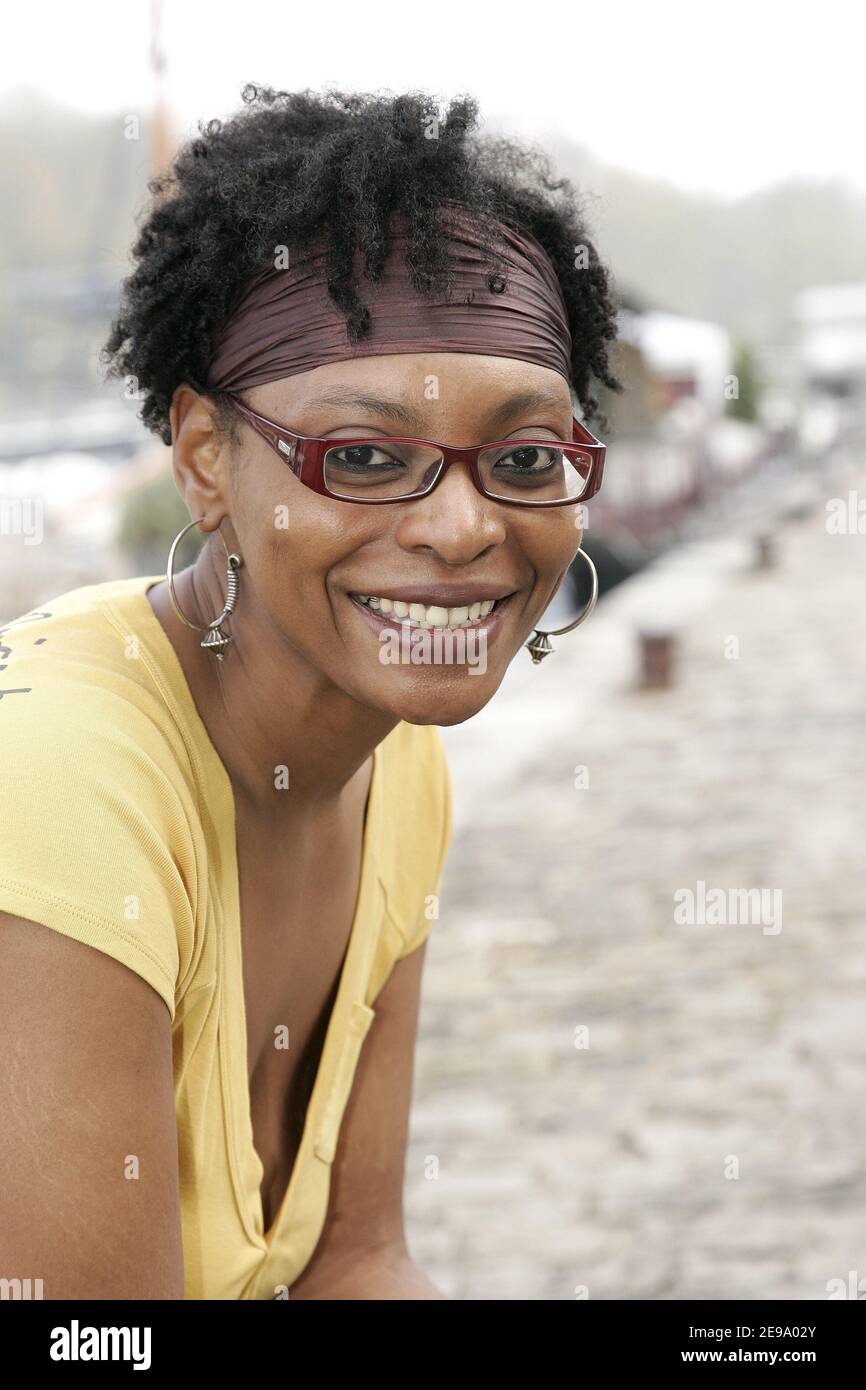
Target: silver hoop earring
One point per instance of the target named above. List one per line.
(216, 640)
(539, 645)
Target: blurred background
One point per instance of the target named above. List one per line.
(609, 1103)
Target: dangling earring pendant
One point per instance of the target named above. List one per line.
(539, 645)
(216, 640)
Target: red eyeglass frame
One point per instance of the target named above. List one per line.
(305, 455)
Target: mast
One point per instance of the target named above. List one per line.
(162, 142)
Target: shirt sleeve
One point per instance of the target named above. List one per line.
(431, 905)
(95, 840)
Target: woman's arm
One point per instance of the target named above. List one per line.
(89, 1198)
(376, 1274)
(362, 1251)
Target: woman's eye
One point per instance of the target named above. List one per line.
(362, 456)
(530, 457)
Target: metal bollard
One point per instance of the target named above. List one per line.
(765, 551)
(657, 651)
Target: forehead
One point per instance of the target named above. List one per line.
(419, 379)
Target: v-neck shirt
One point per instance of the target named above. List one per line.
(124, 838)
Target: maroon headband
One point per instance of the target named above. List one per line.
(284, 321)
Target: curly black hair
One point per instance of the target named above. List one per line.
(290, 167)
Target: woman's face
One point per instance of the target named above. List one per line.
(307, 555)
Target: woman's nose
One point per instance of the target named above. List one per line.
(454, 519)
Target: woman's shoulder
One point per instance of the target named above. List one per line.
(68, 637)
(81, 664)
(100, 838)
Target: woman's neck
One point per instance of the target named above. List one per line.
(294, 746)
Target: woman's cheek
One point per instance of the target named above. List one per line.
(557, 545)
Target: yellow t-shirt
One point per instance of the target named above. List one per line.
(120, 832)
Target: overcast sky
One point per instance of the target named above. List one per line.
(724, 98)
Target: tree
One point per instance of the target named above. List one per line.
(744, 404)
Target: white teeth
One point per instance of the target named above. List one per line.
(422, 615)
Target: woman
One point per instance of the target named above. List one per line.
(232, 807)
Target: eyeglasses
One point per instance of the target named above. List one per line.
(521, 472)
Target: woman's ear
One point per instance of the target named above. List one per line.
(198, 458)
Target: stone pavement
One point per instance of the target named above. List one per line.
(608, 1103)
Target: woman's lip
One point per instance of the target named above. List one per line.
(490, 625)
(439, 595)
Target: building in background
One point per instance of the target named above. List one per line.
(830, 333)
(688, 358)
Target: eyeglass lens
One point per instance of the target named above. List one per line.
(529, 472)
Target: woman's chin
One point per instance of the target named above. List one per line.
(442, 702)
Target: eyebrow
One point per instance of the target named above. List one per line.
(403, 415)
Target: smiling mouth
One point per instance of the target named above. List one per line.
(430, 615)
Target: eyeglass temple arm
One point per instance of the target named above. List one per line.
(269, 433)
(581, 435)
